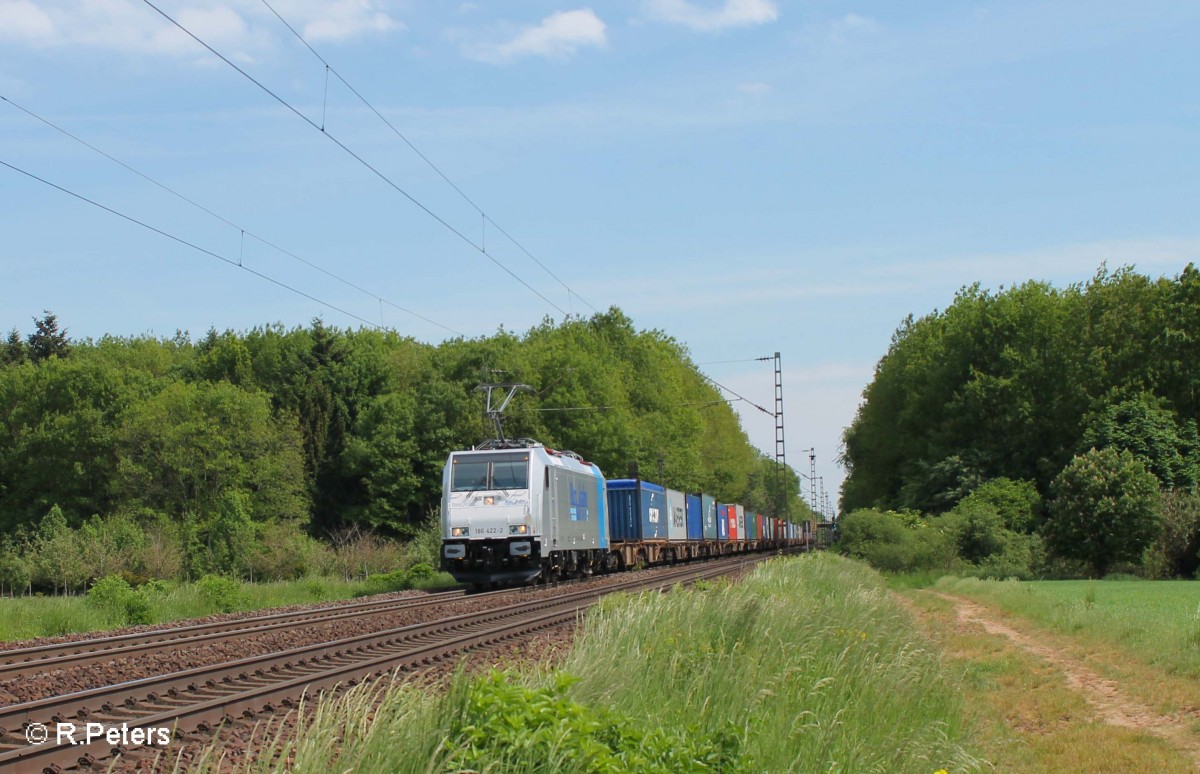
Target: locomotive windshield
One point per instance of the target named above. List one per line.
(473, 473)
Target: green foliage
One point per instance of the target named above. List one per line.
(190, 447)
(896, 542)
(505, 726)
(1012, 384)
(281, 550)
(123, 603)
(221, 594)
(1175, 553)
(1106, 508)
(421, 571)
(1169, 449)
(220, 541)
(1017, 502)
(12, 350)
(396, 580)
(47, 340)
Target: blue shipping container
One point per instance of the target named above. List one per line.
(722, 522)
(695, 518)
(637, 510)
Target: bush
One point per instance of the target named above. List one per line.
(122, 603)
(420, 571)
(502, 725)
(881, 539)
(360, 553)
(1176, 551)
(283, 551)
(1106, 510)
(397, 580)
(221, 594)
(1016, 502)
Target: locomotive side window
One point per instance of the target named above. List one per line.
(470, 476)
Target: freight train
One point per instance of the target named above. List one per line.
(515, 511)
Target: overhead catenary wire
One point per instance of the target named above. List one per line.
(329, 68)
(723, 362)
(244, 232)
(192, 245)
(391, 183)
(731, 392)
(698, 404)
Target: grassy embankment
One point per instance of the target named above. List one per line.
(806, 665)
(1141, 636)
(26, 617)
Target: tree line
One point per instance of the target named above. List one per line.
(1080, 403)
(207, 448)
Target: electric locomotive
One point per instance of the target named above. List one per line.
(513, 510)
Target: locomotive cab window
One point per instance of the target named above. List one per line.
(470, 476)
(510, 475)
(475, 474)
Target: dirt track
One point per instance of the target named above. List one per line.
(1105, 696)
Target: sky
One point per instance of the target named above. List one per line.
(748, 176)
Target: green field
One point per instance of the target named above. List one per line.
(1155, 622)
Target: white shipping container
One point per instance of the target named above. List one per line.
(676, 515)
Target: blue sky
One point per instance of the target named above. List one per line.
(749, 176)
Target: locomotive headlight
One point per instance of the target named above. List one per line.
(518, 529)
(489, 501)
(460, 531)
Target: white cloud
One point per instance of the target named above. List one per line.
(344, 19)
(22, 20)
(733, 13)
(558, 36)
(754, 88)
(241, 28)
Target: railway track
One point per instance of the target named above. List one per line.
(23, 662)
(204, 697)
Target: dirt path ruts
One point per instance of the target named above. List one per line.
(1105, 696)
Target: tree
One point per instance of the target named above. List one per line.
(1169, 449)
(12, 351)
(47, 340)
(183, 450)
(1105, 509)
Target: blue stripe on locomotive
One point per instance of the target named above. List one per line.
(601, 507)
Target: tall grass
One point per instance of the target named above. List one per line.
(1155, 622)
(807, 665)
